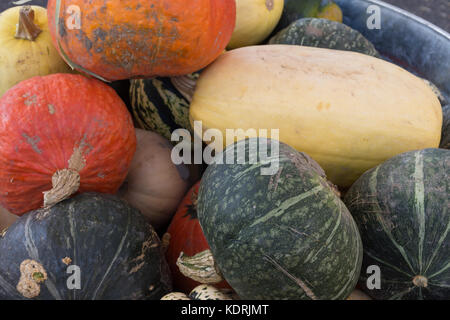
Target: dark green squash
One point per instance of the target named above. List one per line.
(162, 104)
(322, 33)
(402, 211)
(118, 253)
(281, 236)
(445, 140)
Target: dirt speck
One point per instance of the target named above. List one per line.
(51, 109)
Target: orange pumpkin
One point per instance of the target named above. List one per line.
(123, 39)
(61, 134)
(186, 235)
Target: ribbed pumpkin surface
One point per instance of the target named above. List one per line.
(49, 121)
(118, 253)
(323, 33)
(281, 236)
(126, 39)
(402, 211)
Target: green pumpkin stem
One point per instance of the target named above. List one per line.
(26, 28)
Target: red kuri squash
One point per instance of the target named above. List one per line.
(61, 134)
(186, 235)
(122, 39)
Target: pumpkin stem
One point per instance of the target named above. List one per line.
(420, 281)
(65, 182)
(32, 274)
(26, 28)
(185, 85)
(200, 267)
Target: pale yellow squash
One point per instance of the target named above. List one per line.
(255, 20)
(347, 110)
(29, 51)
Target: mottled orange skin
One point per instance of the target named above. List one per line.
(43, 119)
(124, 39)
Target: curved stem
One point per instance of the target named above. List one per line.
(26, 28)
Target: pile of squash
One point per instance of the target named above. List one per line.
(94, 95)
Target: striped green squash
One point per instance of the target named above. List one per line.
(162, 104)
(323, 33)
(402, 211)
(281, 236)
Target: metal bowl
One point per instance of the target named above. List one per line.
(405, 39)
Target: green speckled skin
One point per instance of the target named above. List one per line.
(402, 211)
(445, 140)
(285, 236)
(322, 33)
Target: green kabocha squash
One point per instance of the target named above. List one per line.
(445, 140)
(95, 238)
(286, 235)
(402, 211)
(162, 104)
(323, 33)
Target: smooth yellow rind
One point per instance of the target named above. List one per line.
(348, 111)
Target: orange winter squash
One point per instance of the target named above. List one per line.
(122, 39)
(186, 235)
(61, 134)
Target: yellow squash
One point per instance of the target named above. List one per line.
(347, 110)
(255, 20)
(26, 50)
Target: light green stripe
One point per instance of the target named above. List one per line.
(116, 255)
(34, 254)
(441, 285)
(440, 271)
(355, 266)
(373, 188)
(313, 255)
(440, 242)
(388, 264)
(419, 204)
(286, 205)
(401, 294)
